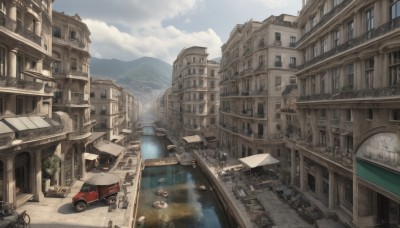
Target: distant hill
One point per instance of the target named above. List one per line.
(141, 75)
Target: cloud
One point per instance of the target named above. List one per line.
(160, 42)
(273, 4)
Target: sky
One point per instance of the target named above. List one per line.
(130, 29)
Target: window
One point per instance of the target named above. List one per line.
(335, 115)
(212, 97)
(278, 37)
(369, 14)
(348, 193)
(395, 9)
(2, 61)
(350, 76)
(293, 80)
(72, 35)
(92, 110)
(312, 84)
(370, 114)
(303, 30)
(103, 110)
(19, 109)
(201, 96)
(350, 30)
(104, 123)
(349, 115)
(335, 38)
(212, 84)
(292, 41)
(314, 50)
(212, 120)
(278, 117)
(304, 55)
(212, 73)
(212, 109)
(394, 68)
(201, 71)
(278, 81)
(322, 138)
(277, 105)
(324, 45)
(335, 80)
(292, 62)
(261, 61)
(303, 87)
(396, 114)
(56, 32)
(103, 93)
(369, 73)
(322, 114)
(74, 65)
(278, 61)
(313, 21)
(92, 94)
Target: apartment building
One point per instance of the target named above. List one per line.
(349, 108)
(106, 108)
(162, 107)
(28, 132)
(70, 70)
(130, 111)
(258, 62)
(195, 94)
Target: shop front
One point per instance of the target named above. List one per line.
(378, 181)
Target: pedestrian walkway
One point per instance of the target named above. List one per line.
(281, 214)
(60, 213)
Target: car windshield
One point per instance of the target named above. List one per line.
(85, 188)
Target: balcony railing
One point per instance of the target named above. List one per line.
(278, 64)
(7, 81)
(381, 30)
(12, 25)
(374, 92)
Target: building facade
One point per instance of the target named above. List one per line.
(349, 108)
(195, 93)
(70, 71)
(258, 62)
(29, 135)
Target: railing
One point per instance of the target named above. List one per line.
(7, 81)
(324, 19)
(12, 25)
(374, 92)
(381, 30)
(278, 64)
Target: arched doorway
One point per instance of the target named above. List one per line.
(68, 166)
(21, 173)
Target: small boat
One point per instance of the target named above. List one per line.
(163, 193)
(202, 187)
(141, 219)
(159, 204)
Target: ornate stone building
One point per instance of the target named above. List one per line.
(195, 94)
(258, 62)
(70, 70)
(28, 133)
(349, 108)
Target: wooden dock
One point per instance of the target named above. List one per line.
(161, 161)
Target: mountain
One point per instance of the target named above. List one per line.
(142, 75)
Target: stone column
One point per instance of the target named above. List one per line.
(331, 189)
(292, 167)
(37, 176)
(38, 28)
(12, 63)
(12, 13)
(9, 182)
(303, 183)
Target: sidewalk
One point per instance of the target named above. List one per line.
(280, 213)
(60, 213)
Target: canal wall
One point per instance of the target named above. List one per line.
(229, 205)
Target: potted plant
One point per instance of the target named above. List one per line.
(51, 166)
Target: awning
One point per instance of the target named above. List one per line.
(89, 156)
(41, 123)
(4, 129)
(109, 148)
(16, 123)
(28, 123)
(117, 138)
(192, 139)
(258, 160)
(126, 131)
(38, 75)
(95, 135)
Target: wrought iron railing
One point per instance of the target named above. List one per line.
(12, 25)
(7, 81)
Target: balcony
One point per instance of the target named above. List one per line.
(7, 81)
(278, 64)
(71, 42)
(353, 94)
(292, 65)
(12, 25)
(292, 45)
(355, 42)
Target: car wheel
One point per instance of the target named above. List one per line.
(80, 206)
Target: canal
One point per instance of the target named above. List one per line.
(187, 205)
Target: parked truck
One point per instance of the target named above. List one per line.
(90, 193)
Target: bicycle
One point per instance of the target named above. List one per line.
(22, 220)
